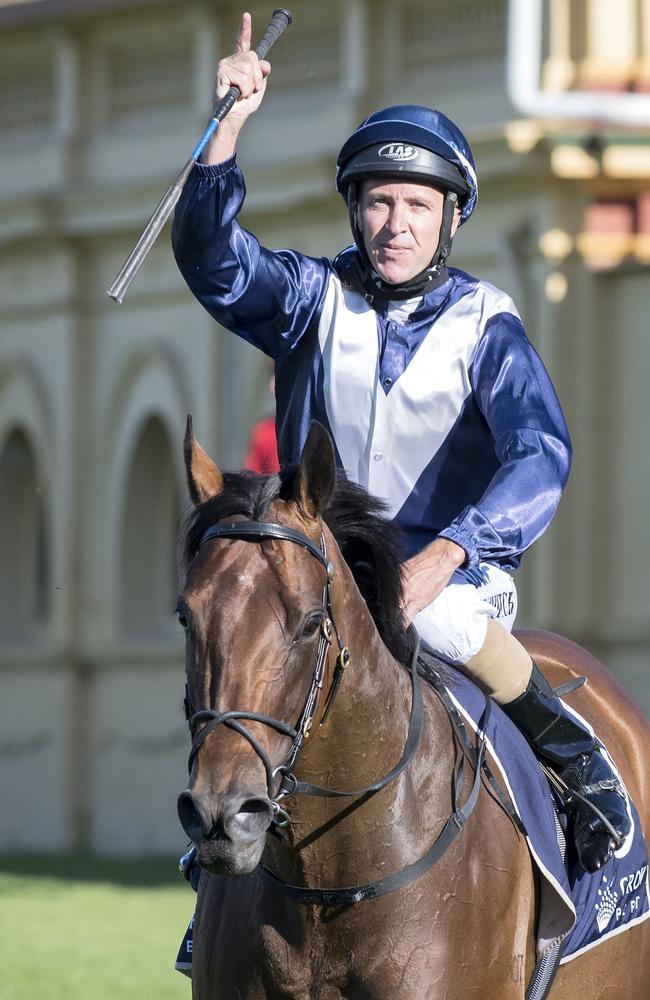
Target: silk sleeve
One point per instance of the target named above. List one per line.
(269, 298)
(516, 398)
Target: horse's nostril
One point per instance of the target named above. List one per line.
(248, 819)
(255, 806)
(193, 821)
(241, 820)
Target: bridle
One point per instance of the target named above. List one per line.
(288, 784)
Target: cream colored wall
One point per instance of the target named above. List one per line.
(138, 752)
(92, 741)
(35, 758)
(619, 592)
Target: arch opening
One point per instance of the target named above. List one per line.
(149, 575)
(24, 549)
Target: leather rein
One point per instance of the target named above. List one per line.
(281, 782)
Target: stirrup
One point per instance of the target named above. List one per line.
(598, 809)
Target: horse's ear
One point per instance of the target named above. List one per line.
(204, 479)
(316, 472)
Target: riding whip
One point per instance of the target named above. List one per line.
(281, 19)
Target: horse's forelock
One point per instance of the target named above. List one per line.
(369, 542)
(244, 493)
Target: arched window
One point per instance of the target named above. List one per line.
(149, 578)
(23, 543)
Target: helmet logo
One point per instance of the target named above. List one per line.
(397, 151)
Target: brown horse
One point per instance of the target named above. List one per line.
(256, 607)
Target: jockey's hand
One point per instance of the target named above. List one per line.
(427, 574)
(244, 70)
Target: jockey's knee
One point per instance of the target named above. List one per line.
(454, 626)
(470, 626)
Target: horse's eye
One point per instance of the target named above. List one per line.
(182, 618)
(310, 627)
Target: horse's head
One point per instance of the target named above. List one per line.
(255, 612)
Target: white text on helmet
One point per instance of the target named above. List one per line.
(398, 151)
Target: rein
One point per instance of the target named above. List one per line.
(347, 895)
(289, 785)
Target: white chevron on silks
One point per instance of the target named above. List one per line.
(386, 441)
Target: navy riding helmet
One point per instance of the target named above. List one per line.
(415, 144)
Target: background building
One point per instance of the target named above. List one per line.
(101, 104)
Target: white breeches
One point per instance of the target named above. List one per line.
(454, 626)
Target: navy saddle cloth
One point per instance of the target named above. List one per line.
(577, 907)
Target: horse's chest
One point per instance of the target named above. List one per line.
(358, 955)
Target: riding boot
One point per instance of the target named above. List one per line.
(190, 868)
(596, 803)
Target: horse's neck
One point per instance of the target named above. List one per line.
(370, 712)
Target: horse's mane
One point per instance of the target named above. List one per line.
(370, 544)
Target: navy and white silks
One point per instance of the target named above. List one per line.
(439, 405)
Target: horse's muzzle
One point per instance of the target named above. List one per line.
(232, 841)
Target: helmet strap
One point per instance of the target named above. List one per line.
(444, 240)
(372, 286)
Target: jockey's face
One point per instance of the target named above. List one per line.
(400, 222)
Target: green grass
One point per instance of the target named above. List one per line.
(81, 928)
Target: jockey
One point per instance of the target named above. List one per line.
(435, 399)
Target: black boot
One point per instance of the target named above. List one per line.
(190, 867)
(557, 736)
